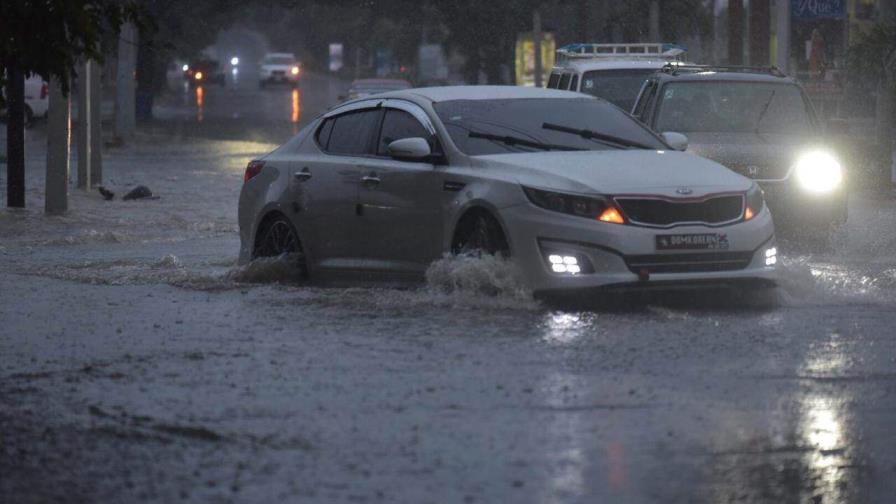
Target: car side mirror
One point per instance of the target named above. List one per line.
(675, 140)
(410, 149)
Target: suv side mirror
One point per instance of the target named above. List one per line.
(410, 149)
(675, 140)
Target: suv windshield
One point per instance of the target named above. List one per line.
(279, 60)
(516, 125)
(733, 107)
(619, 87)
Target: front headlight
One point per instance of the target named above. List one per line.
(818, 172)
(754, 202)
(590, 207)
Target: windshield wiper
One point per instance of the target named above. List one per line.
(600, 137)
(764, 110)
(522, 142)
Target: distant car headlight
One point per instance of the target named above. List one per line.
(590, 207)
(818, 172)
(234, 61)
(294, 70)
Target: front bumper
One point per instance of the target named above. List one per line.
(626, 255)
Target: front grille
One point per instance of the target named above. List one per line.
(278, 73)
(688, 263)
(760, 172)
(664, 213)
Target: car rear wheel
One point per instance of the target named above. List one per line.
(480, 233)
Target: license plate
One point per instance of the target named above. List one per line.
(701, 241)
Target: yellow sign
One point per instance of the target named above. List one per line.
(525, 58)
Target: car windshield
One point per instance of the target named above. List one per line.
(732, 107)
(279, 60)
(619, 87)
(521, 124)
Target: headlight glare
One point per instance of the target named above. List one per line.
(818, 172)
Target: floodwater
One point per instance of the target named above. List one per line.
(138, 362)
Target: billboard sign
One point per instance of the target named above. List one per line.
(525, 57)
(335, 57)
(803, 10)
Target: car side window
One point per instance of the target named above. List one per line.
(553, 80)
(323, 133)
(398, 124)
(564, 81)
(351, 132)
(574, 85)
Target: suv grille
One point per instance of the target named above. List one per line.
(760, 172)
(661, 212)
(689, 263)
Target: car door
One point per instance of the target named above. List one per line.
(325, 187)
(400, 201)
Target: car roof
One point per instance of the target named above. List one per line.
(722, 76)
(613, 64)
(448, 93)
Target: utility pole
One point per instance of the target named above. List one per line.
(96, 127)
(736, 32)
(782, 30)
(760, 32)
(15, 136)
(536, 29)
(125, 122)
(84, 119)
(58, 150)
(653, 15)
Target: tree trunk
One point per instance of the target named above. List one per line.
(735, 32)
(59, 138)
(15, 136)
(125, 108)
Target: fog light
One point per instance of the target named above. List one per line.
(569, 264)
(771, 256)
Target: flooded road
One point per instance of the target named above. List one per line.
(138, 363)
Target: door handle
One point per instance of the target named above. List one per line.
(303, 174)
(370, 179)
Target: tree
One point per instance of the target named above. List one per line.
(48, 38)
(872, 62)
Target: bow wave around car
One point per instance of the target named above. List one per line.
(577, 193)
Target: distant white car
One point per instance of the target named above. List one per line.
(280, 68)
(576, 192)
(614, 72)
(36, 99)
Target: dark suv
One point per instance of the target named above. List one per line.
(761, 124)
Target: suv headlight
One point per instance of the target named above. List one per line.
(754, 202)
(818, 172)
(590, 207)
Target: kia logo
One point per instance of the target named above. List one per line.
(684, 190)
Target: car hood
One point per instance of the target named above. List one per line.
(771, 154)
(278, 67)
(617, 172)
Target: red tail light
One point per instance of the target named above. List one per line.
(44, 91)
(253, 169)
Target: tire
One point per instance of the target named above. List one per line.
(277, 237)
(479, 233)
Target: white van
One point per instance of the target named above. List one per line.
(614, 72)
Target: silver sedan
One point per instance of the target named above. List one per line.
(573, 190)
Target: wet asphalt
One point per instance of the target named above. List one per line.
(138, 363)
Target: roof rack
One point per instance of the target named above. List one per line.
(675, 69)
(589, 51)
